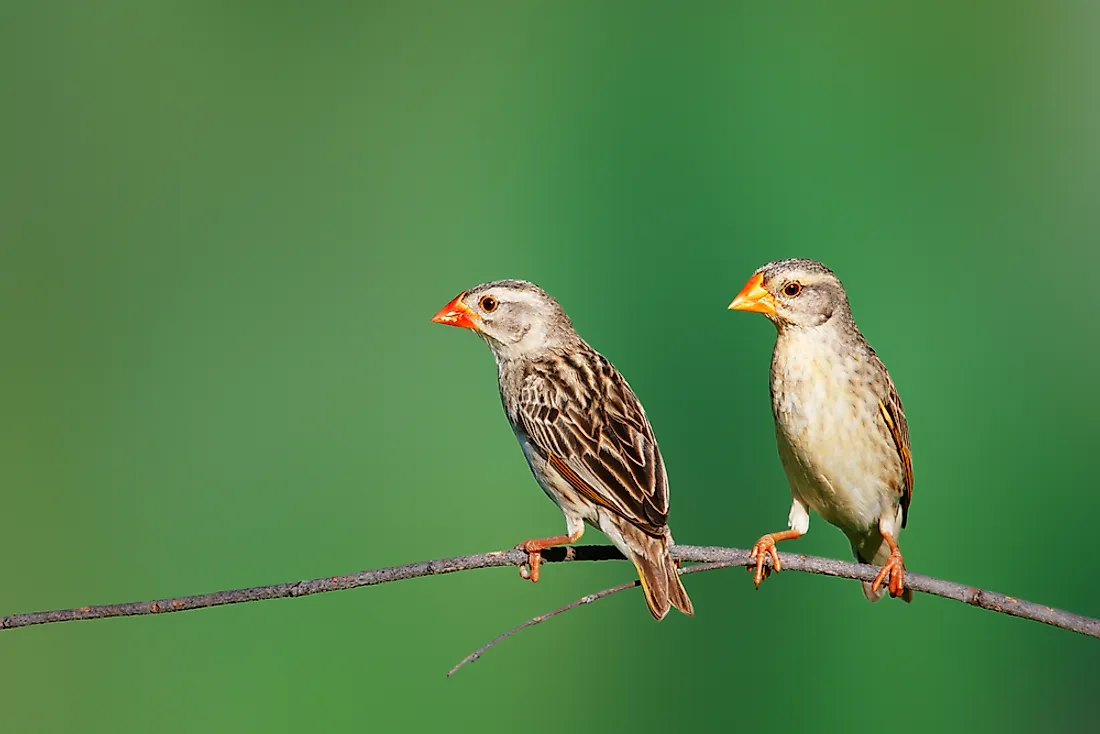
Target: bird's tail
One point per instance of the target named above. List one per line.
(658, 573)
(877, 558)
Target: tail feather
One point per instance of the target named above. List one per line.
(660, 578)
(677, 594)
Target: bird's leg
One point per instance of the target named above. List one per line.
(534, 548)
(893, 569)
(766, 547)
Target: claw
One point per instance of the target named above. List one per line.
(534, 548)
(767, 573)
(530, 570)
(893, 573)
(764, 548)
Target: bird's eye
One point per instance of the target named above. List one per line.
(792, 289)
(488, 304)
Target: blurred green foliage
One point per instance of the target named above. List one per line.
(225, 226)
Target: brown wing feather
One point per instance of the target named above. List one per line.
(586, 490)
(894, 415)
(583, 415)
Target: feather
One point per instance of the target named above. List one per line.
(894, 415)
(583, 416)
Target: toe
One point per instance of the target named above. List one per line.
(879, 579)
(776, 564)
(759, 575)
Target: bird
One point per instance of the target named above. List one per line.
(839, 423)
(583, 431)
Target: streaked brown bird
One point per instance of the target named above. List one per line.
(842, 434)
(584, 433)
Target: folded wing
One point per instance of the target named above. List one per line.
(582, 415)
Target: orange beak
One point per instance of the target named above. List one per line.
(457, 313)
(754, 298)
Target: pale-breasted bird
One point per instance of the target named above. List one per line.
(842, 434)
(584, 433)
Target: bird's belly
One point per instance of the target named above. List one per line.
(825, 456)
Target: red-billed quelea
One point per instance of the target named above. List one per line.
(584, 433)
(842, 434)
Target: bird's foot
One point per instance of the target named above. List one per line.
(530, 570)
(534, 548)
(764, 548)
(893, 571)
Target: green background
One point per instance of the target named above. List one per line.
(225, 227)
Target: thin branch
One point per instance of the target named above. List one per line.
(588, 599)
(697, 554)
(541, 618)
(314, 586)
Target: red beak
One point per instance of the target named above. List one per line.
(457, 313)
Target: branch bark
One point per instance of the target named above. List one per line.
(692, 554)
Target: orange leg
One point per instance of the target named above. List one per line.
(766, 547)
(893, 569)
(535, 548)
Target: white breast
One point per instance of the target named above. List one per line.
(826, 408)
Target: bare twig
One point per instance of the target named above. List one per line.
(971, 595)
(699, 554)
(588, 599)
(314, 586)
(541, 618)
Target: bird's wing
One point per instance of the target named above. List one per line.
(582, 415)
(894, 416)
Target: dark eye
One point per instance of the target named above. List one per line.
(488, 304)
(792, 289)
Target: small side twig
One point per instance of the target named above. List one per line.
(540, 618)
(588, 599)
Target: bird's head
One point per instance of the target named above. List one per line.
(801, 293)
(514, 317)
